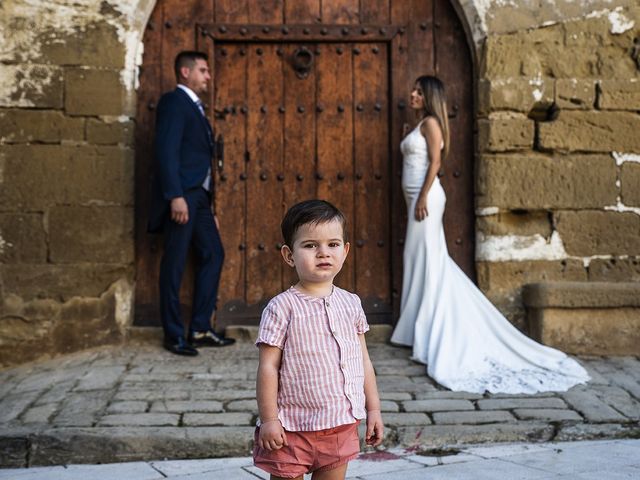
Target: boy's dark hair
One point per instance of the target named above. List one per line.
(187, 58)
(310, 211)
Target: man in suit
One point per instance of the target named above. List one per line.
(181, 207)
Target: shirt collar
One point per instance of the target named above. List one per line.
(311, 298)
(191, 93)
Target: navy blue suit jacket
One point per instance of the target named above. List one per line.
(183, 150)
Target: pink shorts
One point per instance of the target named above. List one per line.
(308, 452)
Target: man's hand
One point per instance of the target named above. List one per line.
(179, 210)
(272, 435)
(375, 428)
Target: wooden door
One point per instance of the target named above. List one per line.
(333, 134)
(293, 135)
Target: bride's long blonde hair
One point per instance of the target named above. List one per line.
(435, 105)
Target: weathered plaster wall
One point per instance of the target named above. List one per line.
(558, 171)
(557, 187)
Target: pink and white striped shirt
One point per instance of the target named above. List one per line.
(321, 382)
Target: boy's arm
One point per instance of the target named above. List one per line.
(375, 427)
(272, 436)
(267, 382)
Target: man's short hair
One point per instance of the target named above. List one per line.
(188, 59)
(313, 212)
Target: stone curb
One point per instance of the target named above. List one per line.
(59, 446)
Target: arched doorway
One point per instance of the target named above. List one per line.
(311, 99)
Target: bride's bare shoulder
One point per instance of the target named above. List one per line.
(430, 128)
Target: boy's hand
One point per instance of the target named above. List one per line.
(272, 435)
(375, 428)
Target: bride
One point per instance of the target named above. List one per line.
(463, 339)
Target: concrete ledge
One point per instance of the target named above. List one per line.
(596, 318)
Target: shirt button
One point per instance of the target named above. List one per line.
(343, 365)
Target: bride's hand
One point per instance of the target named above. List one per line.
(421, 211)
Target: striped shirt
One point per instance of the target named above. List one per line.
(321, 382)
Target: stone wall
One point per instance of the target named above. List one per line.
(558, 169)
(67, 104)
(558, 158)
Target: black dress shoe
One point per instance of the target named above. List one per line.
(180, 347)
(210, 339)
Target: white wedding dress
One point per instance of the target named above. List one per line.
(466, 343)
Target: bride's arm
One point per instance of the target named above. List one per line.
(433, 134)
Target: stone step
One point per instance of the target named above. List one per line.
(585, 318)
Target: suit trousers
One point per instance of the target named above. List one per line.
(201, 233)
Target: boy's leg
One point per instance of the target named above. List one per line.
(337, 473)
(273, 477)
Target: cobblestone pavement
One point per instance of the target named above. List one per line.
(140, 402)
(590, 460)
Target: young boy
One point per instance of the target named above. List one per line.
(315, 379)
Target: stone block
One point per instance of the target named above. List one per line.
(514, 93)
(503, 132)
(591, 131)
(400, 419)
(140, 420)
(619, 94)
(95, 44)
(473, 418)
(440, 435)
(216, 419)
(586, 318)
(91, 234)
(502, 281)
(60, 281)
(532, 181)
(101, 175)
(519, 222)
(522, 403)
(582, 295)
(87, 322)
(503, 56)
(588, 331)
(243, 406)
(630, 184)
(389, 406)
(575, 94)
(437, 405)
(40, 414)
(591, 407)
(14, 451)
(550, 415)
(394, 396)
(82, 409)
(182, 406)
(130, 406)
(36, 86)
(594, 431)
(100, 378)
(588, 232)
(22, 238)
(615, 270)
(446, 395)
(94, 92)
(109, 133)
(41, 126)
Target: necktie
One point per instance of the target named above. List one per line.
(200, 107)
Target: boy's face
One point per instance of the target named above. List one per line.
(319, 251)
